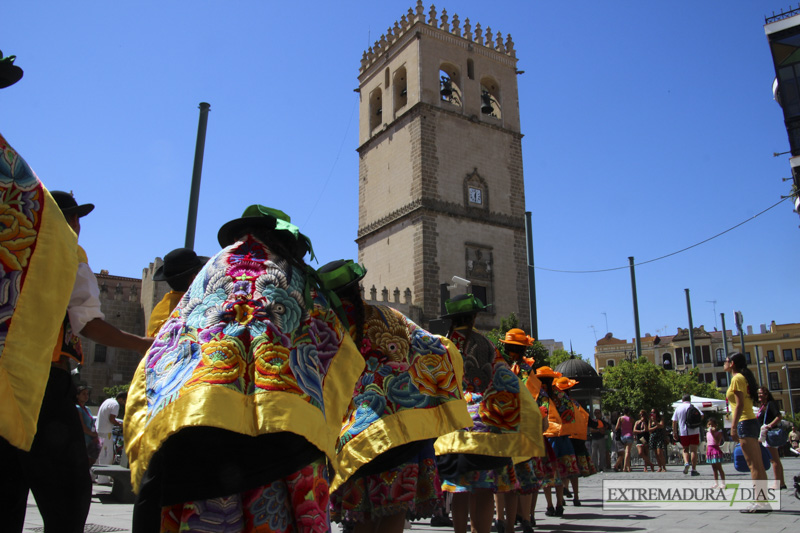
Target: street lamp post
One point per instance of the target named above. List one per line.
(789, 388)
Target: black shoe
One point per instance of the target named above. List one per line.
(576, 501)
(559, 510)
(567, 493)
(441, 521)
(550, 511)
(499, 526)
(526, 527)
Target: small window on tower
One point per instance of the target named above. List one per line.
(100, 353)
(400, 89)
(375, 109)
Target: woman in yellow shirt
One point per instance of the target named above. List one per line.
(745, 428)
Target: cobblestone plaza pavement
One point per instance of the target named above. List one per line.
(106, 515)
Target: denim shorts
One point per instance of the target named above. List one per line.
(748, 428)
(627, 439)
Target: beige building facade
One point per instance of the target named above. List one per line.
(777, 346)
(441, 189)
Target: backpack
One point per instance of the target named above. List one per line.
(694, 418)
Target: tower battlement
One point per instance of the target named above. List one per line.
(408, 21)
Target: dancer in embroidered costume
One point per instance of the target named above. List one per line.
(472, 461)
(46, 296)
(180, 267)
(232, 413)
(560, 413)
(408, 395)
(518, 505)
(577, 432)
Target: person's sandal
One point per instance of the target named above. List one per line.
(559, 510)
(576, 501)
(550, 511)
(757, 508)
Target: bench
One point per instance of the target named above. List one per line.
(121, 488)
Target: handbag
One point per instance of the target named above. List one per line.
(740, 463)
(776, 437)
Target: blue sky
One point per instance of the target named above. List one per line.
(648, 127)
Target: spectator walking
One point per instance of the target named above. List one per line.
(625, 428)
(598, 427)
(107, 420)
(689, 436)
(770, 416)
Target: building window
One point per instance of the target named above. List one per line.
(771, 356)
(480, 293)
(705, 352)
(666, 361)
(678, 356)
(708, 377)
(722, 380)
(100, 353)
(797, 353)
(400, 88)
(780, 404)
(720, 357)
(774, 383)
(794, 378)
(375, 109)
(787, 355)
(749, 359)
(610, 363)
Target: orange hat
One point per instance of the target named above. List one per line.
(564, 383)
(517, 336)
(547, 372)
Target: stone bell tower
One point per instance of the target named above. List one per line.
(441, 191)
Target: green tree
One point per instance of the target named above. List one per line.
(111, 392)
(689, 383)
(637, 384)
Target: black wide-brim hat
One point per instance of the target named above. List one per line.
(463, 304)
(9, 72)
(179, 262)
(269, 219)
(69, 206)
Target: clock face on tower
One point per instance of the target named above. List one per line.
(475, 196)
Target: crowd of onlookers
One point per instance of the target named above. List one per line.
(613, 437)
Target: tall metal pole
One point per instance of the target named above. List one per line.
(691, 329)
(766, 370)
(724, 335)
(635, 310)
(789, 388)
(194, 195)
(531, 279)
(758, 361)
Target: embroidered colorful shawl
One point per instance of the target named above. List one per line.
(506, 422)
(38, 264)
(410, 389)
(560, 413)
(244, 351)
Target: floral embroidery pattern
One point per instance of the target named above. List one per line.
(494, 402)
(406, 368)
(21, 202)
(243, 325)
